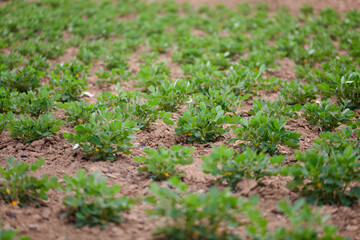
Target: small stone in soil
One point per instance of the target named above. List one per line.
(46, 213)
(10, 214)
(352, 228)
(136, 164)
(33, 226)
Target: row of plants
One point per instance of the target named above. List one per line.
(211, 215)
(68, 82)
(306, 38)
(105, 128)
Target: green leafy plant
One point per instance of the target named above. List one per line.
(79, 112)
(39, 63)
(33, 103)
(209, 215)
(341, 78)
(90, 51)
(325, 178)
(327, 115)
(103, 136)
(264, 132)
(143, 112)
(112, 100)
(11, 61)
(171, 95)
(240, 80)
(5, 118)
(305, 223)
(162, 163)
(115, 76)
(276, 109)
(51, 50)
(74, 68)
(116, 61)
(68, 86)
(152, 75)
(202, 124)
(5, 99)
(234, 167)
(18, 187)
(30, 129)
(338, 141)
(23, 80)
(226, 99)
(10, 234)
(91, 202)
(296, 93)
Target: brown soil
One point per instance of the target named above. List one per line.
(44, 223)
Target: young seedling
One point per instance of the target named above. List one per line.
(103, 136)
(5, 118)
(30, 129)
(327, 116)
(162, 163)
(263, 133)
(90, 201)
(232, 168)
(171, 95)
(18, 187)
(325, 179)
(202, 124)
(210, 215)
(34, 103)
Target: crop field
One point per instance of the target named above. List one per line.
(174, 119)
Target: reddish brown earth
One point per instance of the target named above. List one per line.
(44, 223)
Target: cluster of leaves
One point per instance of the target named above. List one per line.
(196, 216)
(201, 124)
(296, 93)
(5, 99)
(69, 87)
(162, 163)
(264, 133)
(276, 109)
(33, 103)
(152, 75)
(10, 234)
(18, 187)
(143, 112)
(111, 100)
(91, 202)
(23, 80)
(341, 78)
(29, 129)
(325, 178)
(233, 168)
(79, 112)
(225, 99)
(327, 116)
(338, 141)
(5, 118)
(304, 222)
(171, 95)
(215, 214)
(103, 136)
